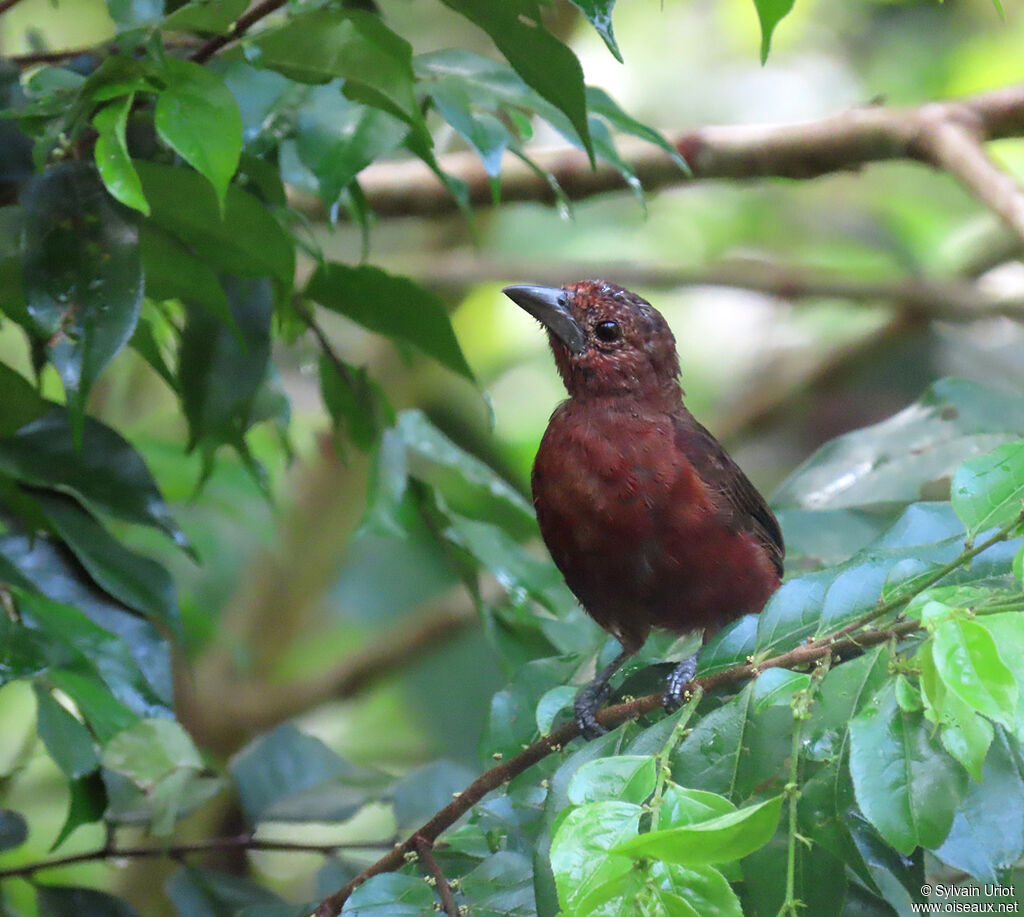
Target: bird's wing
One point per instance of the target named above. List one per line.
(740, 504)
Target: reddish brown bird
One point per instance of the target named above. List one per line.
(652, 524)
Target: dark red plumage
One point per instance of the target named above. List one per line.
(647, 517)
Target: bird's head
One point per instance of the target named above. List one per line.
(606, 340)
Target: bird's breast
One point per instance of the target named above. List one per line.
(634, 529)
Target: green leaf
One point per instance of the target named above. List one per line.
(776, 687)
(391, 895)
(988, 490)
(717, 840)
(321, 45)
(703, 888)
(905, 784)
(501, 886)
(105, 715)
(103, 471)
(286, 775)
(22, 403)
(137, 581)
(968, 661)
(599, 13)
(600, 103)
(13, 829)
(206, 893)
(681, 806)
(150, 750)
(245, 240)
(735, 750)
(355, 400)
(221, 368)
(83, 276)
(198, 118)
(111, 154)
(337, 138)
(911, 453)
(66, 739)
(204, 16)
(988, 829)
(65, 901)
(626, 778)
(582, 856)
(79, 626)
(770, 12)
(538, 57)
(390, 305)
(87, 804)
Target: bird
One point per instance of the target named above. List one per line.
(647, 517)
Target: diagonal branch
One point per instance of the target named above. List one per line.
(244, 23)
(839, 643)
(958, 147)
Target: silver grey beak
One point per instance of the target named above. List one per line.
(550, 306)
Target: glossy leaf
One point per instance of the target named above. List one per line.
(321, 45)
(82, 274)
(906, 785)
(137, 581)
(988, 491)
(22, 403)
(198, 118)
(775, 687)
(582, 856)
(987, 835)
(221, 368)
(86, 629)
(203, 16)
(337, 138)
(390, 305)
(627, 778)
(66, 738)
(245, 239)
(770, 13)
(102, 470)
(391, 895)
(501, 886)
(895, 460)
(111, 154)
(544, 63)
(968, 662)
(599, 12)
(717, 840)
(352, 398)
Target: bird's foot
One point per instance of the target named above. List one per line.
(587, 703)
(676, 683)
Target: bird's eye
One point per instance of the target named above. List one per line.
(608, 331)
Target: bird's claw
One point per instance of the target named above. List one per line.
(677, 681)
(585, 709)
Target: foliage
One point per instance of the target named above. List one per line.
(157, 221)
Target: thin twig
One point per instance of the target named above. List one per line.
(244, 23)
(306, 314)
(170, 851)
(805, 654)
(424, 850)
(32, 58)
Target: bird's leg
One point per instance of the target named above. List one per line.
(593, 695)
(677, 681)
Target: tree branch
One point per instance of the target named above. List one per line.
(947, 299)
(174, 851)
(843, 142)
(957, 146)
(244, 23)
(424, 850)
(841, 642)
